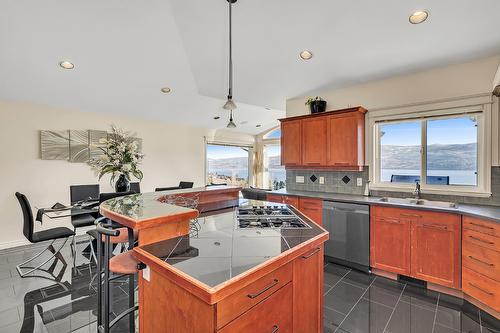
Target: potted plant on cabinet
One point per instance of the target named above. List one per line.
(316, 104)
(121, 157)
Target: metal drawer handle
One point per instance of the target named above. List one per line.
(481, 240)
(391, 221)
(410, 215)
(481, 289)
(275, 329)
(482, 262)
(341, 163)
(311, 254)
(274, 283)
(435, 226)
(482, 226)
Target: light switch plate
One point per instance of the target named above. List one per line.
(146, 273)
(359, 181)
(299, 179)
(321, 180)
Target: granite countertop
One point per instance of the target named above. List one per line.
(219, 251)
(487, 212)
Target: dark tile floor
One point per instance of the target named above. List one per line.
(359, 303)
(63, 300)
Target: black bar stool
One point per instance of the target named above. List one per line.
(123, 264)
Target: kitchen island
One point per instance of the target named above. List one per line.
(219, 277)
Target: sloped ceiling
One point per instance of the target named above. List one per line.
(125, 51)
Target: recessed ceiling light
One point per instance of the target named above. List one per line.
(66, 64)
(268, 108)
(419, 17)
(306, 55)
(216, 117)
(166, 90)
(258, 125)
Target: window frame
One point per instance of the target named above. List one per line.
(236, 145)
(483, 187)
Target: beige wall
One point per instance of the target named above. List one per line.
(172, 153)
(446, 84)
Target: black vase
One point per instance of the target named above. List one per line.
(318, 106)
(122, 184)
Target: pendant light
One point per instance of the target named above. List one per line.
(230, 105)
(231, 123)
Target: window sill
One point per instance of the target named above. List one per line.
(448, 191)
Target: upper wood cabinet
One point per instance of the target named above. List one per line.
(314, 141)
(345, 134)
(291, 143)
(330, 140)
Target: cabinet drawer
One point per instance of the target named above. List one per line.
(311, 203)
(485, 227)
(396, 213)
(275, 314)
(485, 290)
(481, 260)
(275, 198)
(248, 296)
(481, 239)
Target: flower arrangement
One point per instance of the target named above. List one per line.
(312, 100)
(121, 156)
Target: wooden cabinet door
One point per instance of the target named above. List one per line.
(345, 141)
(275, 198)
(435, 253)
(291, 143)
(312, 208)
(390, 244)
(308, 292)
(314, 144)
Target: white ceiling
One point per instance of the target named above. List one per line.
(126, 50)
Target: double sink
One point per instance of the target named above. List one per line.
(420, 202)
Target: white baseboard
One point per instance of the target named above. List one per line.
(24, 242)
(16, 243)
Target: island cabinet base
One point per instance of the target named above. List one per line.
(287, 299)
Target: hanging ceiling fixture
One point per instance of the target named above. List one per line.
(230, 105)
(231, 123)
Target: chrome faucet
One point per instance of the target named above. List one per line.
(417, 192)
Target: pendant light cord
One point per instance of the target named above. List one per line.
(230, 96)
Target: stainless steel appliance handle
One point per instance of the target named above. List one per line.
(356, 211)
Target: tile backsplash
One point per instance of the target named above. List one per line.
(335, 181)
(345, 182)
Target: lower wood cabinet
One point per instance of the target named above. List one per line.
(435, 249)
(308, 292)
(312, 208)
(421, 244)
(481, 261)
(271, 315)
(390, 244)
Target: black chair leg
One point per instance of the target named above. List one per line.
(99, 283)
(131, 285)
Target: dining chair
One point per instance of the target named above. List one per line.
(52, 235)
(79, 193)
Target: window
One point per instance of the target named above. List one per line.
(274, 172)
(228, 165)
(273, 134)
(441, 152)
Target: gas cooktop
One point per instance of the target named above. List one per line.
(278, 217)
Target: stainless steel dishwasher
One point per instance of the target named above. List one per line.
(349, 227)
